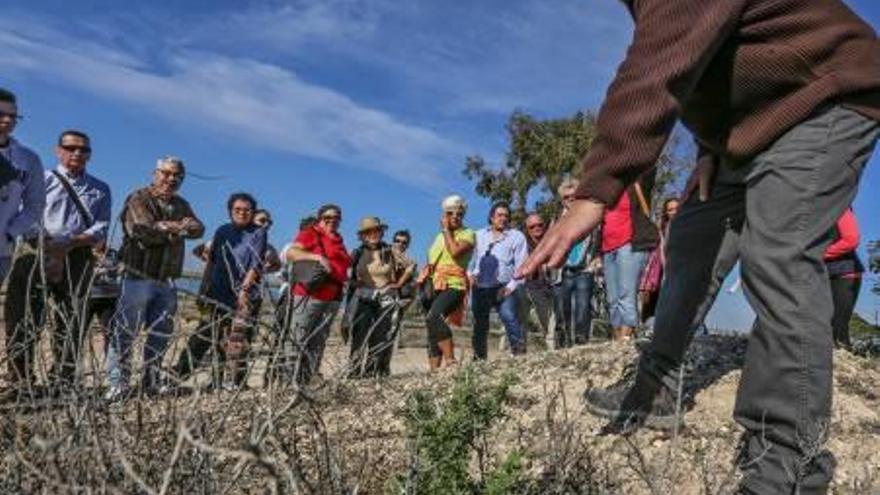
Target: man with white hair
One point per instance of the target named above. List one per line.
(156, 221)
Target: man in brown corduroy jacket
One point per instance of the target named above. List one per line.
(783, 98)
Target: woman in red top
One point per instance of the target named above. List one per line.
(313, 308)
(845, 271)
(628, 236)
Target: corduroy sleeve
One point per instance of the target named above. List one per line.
(673, 43)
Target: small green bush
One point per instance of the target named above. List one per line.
(446, 435)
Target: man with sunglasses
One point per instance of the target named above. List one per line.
(58, 263)
(408, 266)
(22, 198)
(406, 271)
(156, 222)
(536, 298)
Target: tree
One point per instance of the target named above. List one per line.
(544, 152)
(874, 263)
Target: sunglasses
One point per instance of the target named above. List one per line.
(568, 197)
(332, 218)
(535, 226)
(456, 214)
(401, 241)
(72, 148)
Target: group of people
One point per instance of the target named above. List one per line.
(62, 267)
(61, 273)
(555, 302)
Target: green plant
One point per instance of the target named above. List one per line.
(446, 435)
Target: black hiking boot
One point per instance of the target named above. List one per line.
(644, 402)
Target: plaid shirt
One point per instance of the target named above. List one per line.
(147, 251)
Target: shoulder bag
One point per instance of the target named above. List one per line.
(425, 290)
(310, 273)
(55, 268)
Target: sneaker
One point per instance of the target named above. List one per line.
(643, 403)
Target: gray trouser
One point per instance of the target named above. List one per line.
(782, 207)
(536, 310)
(303, 346)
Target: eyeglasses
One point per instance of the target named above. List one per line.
(171, 173)
(72, 148)
(535, 226)
(14, 116)
(242, 210)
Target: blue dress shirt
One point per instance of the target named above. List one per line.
(62, 220)
(495, 260)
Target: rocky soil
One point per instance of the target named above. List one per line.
(350, 437)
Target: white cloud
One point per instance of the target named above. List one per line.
(553, 56)
(292, 25)
(257, 102)
(445, 66)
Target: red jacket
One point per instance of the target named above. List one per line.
(317, 241)
(847, 237)
(840, 256)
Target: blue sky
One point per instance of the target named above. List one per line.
(370, 104)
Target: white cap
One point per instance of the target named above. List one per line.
(454, 203)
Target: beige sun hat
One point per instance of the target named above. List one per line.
(370, 223)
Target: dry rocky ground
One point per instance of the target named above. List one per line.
(343, 436)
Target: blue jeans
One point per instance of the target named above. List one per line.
(623, 267)
(483, 300)
(573, 311)
(141, 302)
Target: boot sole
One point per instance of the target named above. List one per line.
(663, 423)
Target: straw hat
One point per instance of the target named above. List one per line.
(370, 223)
